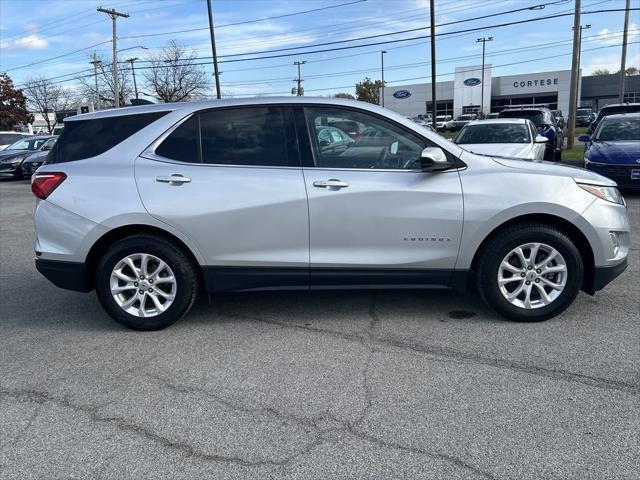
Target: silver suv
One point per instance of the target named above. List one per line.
(149, 205)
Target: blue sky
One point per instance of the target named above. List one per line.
(35, 31)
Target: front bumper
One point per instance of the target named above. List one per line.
(10, 169)
(621, 174)
(67, 275)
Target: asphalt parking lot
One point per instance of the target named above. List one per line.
(330, 385)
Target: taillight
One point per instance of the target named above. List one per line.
(43, 184)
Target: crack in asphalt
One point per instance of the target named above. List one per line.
(450, 353)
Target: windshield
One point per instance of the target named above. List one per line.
(536, 117)
(465, 117)
(494, 133)
(583, 111)
(618, 130)
(27, 144)
(442, 118)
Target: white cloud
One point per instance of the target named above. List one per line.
(31, 42)
(607, 37)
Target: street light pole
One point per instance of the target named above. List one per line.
(484, 40)
(133, 72)
(114, 16)
(382, 66)
(582, 27)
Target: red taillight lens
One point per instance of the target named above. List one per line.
(42, 184)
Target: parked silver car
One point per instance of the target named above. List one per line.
(149, 204)
(505, 137)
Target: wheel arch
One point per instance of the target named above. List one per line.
(572, 231)
(101, 245)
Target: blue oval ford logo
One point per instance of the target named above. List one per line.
(402, 94)
(472, 82)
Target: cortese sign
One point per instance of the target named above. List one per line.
(402, 94)
(538, 82)
(472, 82)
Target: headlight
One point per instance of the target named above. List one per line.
(610, 194)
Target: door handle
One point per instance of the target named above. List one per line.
(174, 179)
(332, 184)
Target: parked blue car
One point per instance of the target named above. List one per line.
(614, 149)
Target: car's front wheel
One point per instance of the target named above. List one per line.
(529, 272)
(146, 283)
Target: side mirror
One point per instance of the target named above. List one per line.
(584, 138)
(541, 139)
(433, 159)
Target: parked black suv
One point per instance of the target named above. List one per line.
(546, 124)
(612, 110)
(584, 117)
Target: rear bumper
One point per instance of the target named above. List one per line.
(67, 275)
(605, 275)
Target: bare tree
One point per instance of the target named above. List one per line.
(103, 76)
(174, 75)
(45, 97)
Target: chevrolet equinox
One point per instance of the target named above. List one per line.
(149, 205)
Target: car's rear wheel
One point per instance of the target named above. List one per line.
(530, 272)
(146, 283)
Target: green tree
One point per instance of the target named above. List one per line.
(13, 105)
(369, 90)
(601, 71)
(344, 95)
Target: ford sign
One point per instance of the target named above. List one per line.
(472, 82)
(402, 94)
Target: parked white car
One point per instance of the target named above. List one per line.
(513, 138)
(9, 138)
(444, 122)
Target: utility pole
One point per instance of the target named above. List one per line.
(114, 16)
(623, 61)
(577, 91)
(575, 74)
(133, 72)
(382, 66)
(432, 12)
(213, 51)
(298, 91)
(484, 40)
(95, 62)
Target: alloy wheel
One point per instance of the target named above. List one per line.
(532, 275)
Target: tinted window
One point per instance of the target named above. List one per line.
(88, 138)
(182, 143)
(28, 144)
(377, 142)
(536, 117)
(245, 136)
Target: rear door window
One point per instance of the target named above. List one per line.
(259, 136)
(82, 139)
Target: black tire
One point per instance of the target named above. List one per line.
(504, 242)
(183, 270)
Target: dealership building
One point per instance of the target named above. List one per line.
(470, 91)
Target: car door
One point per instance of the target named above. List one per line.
(231, 180)
(375, 217)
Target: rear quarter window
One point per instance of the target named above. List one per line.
(82, 139)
